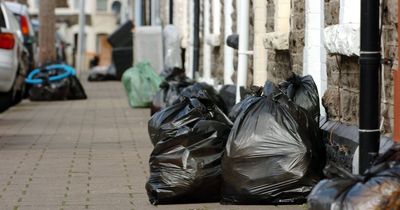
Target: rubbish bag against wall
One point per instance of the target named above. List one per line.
(172, 47)
(379, 188)
(141, 84)
(303, 92)
(76, 90)
(273, 155)
(185, 162)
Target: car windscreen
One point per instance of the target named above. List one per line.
(2, 21)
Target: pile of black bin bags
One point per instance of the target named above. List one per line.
(272, 153)
(378, 188)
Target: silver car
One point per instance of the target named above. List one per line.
(13, 60)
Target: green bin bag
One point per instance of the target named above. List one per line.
(141, 83)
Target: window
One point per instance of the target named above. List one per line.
(101, 5)
(2, 22)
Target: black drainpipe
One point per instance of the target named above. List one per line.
(196, 37)
(370, 57)
(171, 12)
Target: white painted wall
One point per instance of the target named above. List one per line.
(314, 51)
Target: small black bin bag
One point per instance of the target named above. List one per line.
(304, 92)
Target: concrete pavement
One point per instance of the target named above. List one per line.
(90, 154)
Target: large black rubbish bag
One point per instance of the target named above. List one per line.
(303, 91)
(273, 154)
(174, 82)
(378, 188)
(68, 88)
(54, 91)
(185, 163)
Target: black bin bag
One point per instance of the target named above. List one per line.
(69, 88)
(273, 154)
(55, 91)
(303, 92)
(185, 165)
(378, 188)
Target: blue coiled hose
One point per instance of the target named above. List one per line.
(68, 71)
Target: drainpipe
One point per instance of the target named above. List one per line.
(206, 47)
(243, 30)
(190, 50)
(196, 38)
(396, 77)
(228, 51)
(138, 13)
(216, 14)
(81, 37)
(314, 51)
(171, 12)
(260, 53)
(155, 13)
(370, 57)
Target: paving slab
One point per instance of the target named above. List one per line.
(89, 154)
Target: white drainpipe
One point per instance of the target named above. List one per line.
(216, 12)
(206, 47)
(260, 53)
(138, 12)
(228, 51)
(189, 50)
(155, 13)
(314, 50)
(243, 32)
